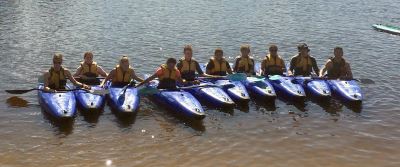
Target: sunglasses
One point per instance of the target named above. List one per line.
(57, 62)
(273, 50)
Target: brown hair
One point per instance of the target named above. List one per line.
(171, 60)
(87, 54)
(273, 46)
(218, 50)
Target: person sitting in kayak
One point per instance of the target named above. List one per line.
(188, 67)
(244, 63)
(272, 64)
(56, 77)
(218, 65)
(89, 70)
(303, 64)
(336, 67)
(122, 74)
(167, 74)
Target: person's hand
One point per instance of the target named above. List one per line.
(51, 91)
(84, 86)
(196, 82)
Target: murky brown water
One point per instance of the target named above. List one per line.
(258, 135)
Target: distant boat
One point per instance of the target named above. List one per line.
(387, 28)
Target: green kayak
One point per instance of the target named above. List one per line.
(387, 28)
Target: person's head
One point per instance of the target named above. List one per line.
(88, 57)
(57, 61)
(124, 62)
(303, 49)
(188, 52)
(245, 49)
(171, 62)
(218, 54)
(273, 50)
(338, 52)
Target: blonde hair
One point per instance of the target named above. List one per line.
(123, 58)
(245, 47)
(57, 56)
(187, 47)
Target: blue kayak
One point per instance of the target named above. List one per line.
(213, 96)
(238, 92)
(347, 91)
(316, 88)
(287, 88)
(90, 102)
(60, 105)
(123, 104)
(178, 101)
(260, 89)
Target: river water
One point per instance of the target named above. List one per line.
(149, 32)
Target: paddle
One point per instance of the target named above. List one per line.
(231, 77)
(361, 80)
(19, 91)
(152, 90)
(123, 90)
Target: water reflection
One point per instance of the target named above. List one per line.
(63, 127)
(17, 102)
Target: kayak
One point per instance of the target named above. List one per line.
(213, 96)
(60, 105)
(127, 103)
(90, 102)
(237, 93)
(315, 88)
(287, 88)
(387, 28)
(347, 91)
(178, 101)
(260, 89)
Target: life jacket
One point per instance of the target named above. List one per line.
(122, 78)
(244, 65)
(220, 67)
(168, 78)
(89, 70)
(273, 66)
(188, 70)
(303, 66)
(57, 79)
(337, 70)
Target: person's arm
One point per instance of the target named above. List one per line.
(75, 82)
(315, 66)
(291, 67)
(283, 65)
(235, 66)
(252, 72)
(200, 71)
(46, 77)
(154, 76)
(135, 77)
(101, 71)
(349, 74)
(179, 65)
(78, 71)
(210, 65)
(324, 68)
(229, 69)
(108, 77)
(263, 66)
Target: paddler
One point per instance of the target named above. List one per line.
(244, 63)
(168, 75)
(89, 70)
(336, 66)
(218, 65)
(272, 64)
(122, 74)
(188, 66)
(303, 64)
(56, 77)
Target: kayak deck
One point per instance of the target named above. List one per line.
(60, 105)
(127, 103)
(90, 102)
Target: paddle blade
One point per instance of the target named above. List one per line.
(19, 91)
(99, 92)
(148, 91)
(237, 77)
(275, 77)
